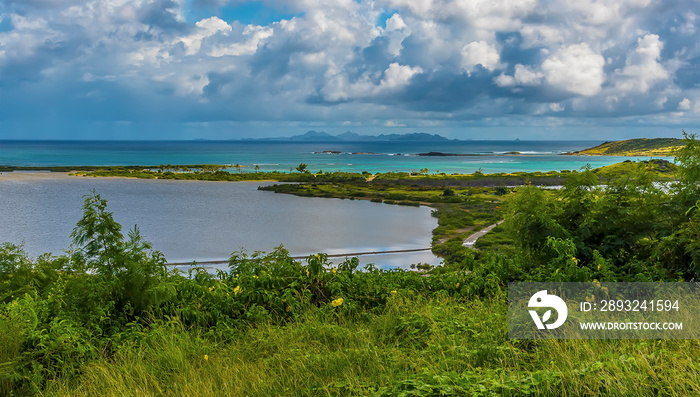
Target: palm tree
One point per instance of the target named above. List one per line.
(257, 168)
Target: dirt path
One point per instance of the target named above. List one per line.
(469, 241)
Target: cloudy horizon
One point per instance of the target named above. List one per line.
(227, 69)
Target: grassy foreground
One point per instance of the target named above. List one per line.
(412, 347)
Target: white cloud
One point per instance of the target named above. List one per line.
(575, 68)
(254, 36)
(395, 77)
(556, 107)
(480, 53)
(523, 76)
(685, 104)
(205, 28)
(395, 22)
(341, 60)
(396, 31)
(642, 69)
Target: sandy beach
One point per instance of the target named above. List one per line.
(20, 176)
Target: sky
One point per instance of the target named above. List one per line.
(470, 69)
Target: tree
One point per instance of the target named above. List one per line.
(238, 167)
(302, 167)
(97, 236)
(257, 168)
(688, 160)
(129, 274)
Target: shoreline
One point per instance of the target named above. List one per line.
(29, 176)
(22, 176)
(299, 257)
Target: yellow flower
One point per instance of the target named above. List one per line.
(393, 292)
(333, 270)
(456, 285)
(307, 272)
(337, 302)
(237, 290)
(211, 289)
(206, 357)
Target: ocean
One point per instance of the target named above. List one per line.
(489, 156)
(207, 221)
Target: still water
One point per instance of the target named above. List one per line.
(209, 220)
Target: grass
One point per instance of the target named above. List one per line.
(415, 346)
(636, 147)
(661, 170)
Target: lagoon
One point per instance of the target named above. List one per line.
(207, 221)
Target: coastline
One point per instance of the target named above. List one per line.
(25, 176)
(29, 176)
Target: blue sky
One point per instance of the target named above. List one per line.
(225, 69)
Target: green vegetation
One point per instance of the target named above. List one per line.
(460, 212)
(659, 169)
(218, 174)
(635, 147)
(109, 318)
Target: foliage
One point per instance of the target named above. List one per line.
(644, 230)
(110, 319)
(636, 147)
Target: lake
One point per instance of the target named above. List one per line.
(207, 221)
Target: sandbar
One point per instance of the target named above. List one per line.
(22, 176)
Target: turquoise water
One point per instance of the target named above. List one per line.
(489, 156)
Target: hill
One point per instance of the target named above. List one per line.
(634, 147)
(348, 136)
(662, 170)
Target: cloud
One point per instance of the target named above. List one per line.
(395, 77)
(575, 68)
(424, 62)
(479, 53)
(523, 76)
(642, 68)
(685, 104)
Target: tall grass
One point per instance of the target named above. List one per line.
(416, 346)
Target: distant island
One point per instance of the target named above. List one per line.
(633, 147)
(348, 136)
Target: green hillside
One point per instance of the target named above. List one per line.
(634, 147)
